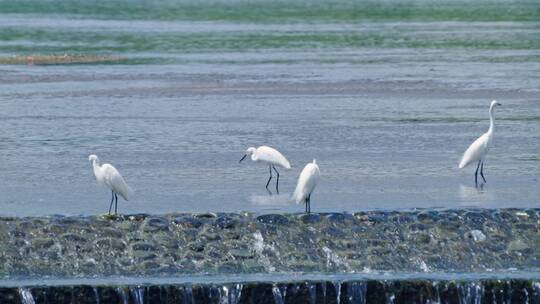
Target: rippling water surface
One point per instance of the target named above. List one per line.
(385, 95)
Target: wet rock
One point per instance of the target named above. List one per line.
(226, 222)
(42, 243)
(475, 235)
(143, 246)
(241, 253)
(70, 237)
(422, 238)
(196, 246)
(187, 222)
(246, 243)
(276, 219)
(417, 227)
(111, 232)
(229, 267)
(153, 224)
(113, 243)
(166, 241)
(211, 236)
(143, 255)
(311, 218)
(150, 265)
(333, 232)
(339, 217)
(56, 228)
(517, 245)
(137, 217)
(208, 215)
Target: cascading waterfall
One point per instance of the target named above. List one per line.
(137, 294)
(337, 286)
(187, 294)
(278, 297)
(312, 289)
(470, 293)
(122, 294)
(356, 292)
(26, 296)
(96, 294)
(345, 292)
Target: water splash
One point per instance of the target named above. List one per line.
(333, 259)
(278, 298)
(26, 296)
(259, 246)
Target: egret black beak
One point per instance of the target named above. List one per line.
(242, 158)
(499, 104)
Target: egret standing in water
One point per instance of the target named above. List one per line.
(478, 150)
(107, 175)
(271, 157)
(308, 180)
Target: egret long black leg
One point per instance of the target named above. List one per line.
(270, 178)
(277, 181)
(482, 172)
(305, 201)
(112, 201)
(116, 204)
(309, 204)
(476, 174)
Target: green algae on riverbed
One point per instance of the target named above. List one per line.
(476, 240)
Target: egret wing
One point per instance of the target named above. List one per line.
(475, 151)
(271, 155)
(116, 182)
(306, 182)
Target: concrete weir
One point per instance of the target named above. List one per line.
(424, 256)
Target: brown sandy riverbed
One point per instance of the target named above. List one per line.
(57, 59)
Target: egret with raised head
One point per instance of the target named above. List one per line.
(270, 157)
(478, 150)
(308, 180)
(107, 175)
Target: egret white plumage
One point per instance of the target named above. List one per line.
(271, 157)
(478, 150)
(308, 180)
(107, 175)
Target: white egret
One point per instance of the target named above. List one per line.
(107, 175)
(271, 157)
(308, 180)
(478, 150)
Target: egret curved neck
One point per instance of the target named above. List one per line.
(96, 166)
(491, 121)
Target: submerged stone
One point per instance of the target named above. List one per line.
(187, 222)
(311, 218)
(245, 243)
(276, 219)
(153, 224)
